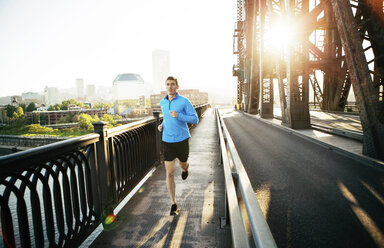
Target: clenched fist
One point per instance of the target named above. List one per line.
(173, 114)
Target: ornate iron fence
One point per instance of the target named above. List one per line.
(46, 194)
(55, 195)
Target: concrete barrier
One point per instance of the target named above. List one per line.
(27, 141)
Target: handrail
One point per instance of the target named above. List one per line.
(30, 155)
(261, 233)
(239, 234)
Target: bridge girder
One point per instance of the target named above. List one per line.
(331, 42)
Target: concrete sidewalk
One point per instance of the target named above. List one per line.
(347, 146)
(145, 219)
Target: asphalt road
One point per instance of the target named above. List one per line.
(311, 196)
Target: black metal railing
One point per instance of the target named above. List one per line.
(46, 194)
(56, 195)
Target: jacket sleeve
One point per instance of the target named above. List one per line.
(190, 116)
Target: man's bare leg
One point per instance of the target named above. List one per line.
(170, 168)
(184, 165)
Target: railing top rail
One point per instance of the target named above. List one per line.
(13, 161)
(260, 230)
(121, 129)
(239, 234)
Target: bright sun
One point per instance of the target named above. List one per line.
(279, 36)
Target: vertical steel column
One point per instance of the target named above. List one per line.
(368, 101)
(251, 57)
(298, 71)
(238, 69)
(265, 71)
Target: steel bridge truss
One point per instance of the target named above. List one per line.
(328, 45)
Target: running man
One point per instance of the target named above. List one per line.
(177, 112)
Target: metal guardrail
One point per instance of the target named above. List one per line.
(261, 233)
(57, 194)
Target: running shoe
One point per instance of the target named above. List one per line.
(184, 175)
(174, 210)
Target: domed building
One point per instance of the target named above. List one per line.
(129, 92)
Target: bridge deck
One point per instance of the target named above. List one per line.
(311, 195)
(145, 220)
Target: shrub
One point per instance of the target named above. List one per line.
(37, 129)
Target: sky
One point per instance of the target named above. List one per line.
(54, 42)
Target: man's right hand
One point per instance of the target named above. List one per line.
(160, 127)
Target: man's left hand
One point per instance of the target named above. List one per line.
(173, 114)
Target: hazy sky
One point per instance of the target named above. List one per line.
(53, 42)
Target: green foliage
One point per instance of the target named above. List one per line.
(10, 109)
(117, 117)
(64, 104)
(69, 118)
(110, 120)
(54, 107)
(20, 112)
(85, 121)
(103, 105)
(31, 107)
(37, 129)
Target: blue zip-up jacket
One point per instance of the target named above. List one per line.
(176, 129)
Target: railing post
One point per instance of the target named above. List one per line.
(103, 170)
(156, 114)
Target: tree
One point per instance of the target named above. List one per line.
(10, 109)
(64, 104)
(31, 107)
(54, 107)
(20, 112)
(110, 120)
(18, 116)
(103, 105)
(23, 106)
(85, 121)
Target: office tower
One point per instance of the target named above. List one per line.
(53, 96)
(161, 67)
(91, 91)
(80, 89)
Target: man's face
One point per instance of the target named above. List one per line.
(171, 87)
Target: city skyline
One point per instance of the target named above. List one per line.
(52, 43)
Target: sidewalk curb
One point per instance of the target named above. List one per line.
(361, 158)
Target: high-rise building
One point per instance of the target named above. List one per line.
(53, 96)
(161, 67)
(91, 91)
(80, 88)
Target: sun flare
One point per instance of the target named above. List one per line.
(279, 35)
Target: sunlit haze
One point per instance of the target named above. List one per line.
(52, 43)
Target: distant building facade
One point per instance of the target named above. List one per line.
(53, 117)
(91, 92)
(129, 92)
(80, 89)
(52, 95)
(161, 67)
(3, 114)
(195, 97)
(34, 97)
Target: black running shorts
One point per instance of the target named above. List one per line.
(178, 150)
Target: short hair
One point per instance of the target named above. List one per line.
(173, 79)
